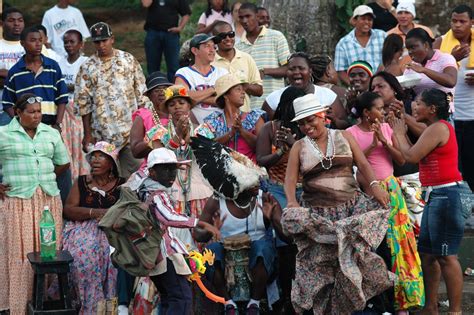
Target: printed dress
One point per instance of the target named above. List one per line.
(336, 231)
(93, 275)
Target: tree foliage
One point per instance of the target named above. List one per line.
(344, 9)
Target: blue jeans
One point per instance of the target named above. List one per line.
(4, 118)
(157, 43)
(64, 181)
(444, 217)
(278, 193)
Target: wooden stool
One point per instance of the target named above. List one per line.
(41, 267)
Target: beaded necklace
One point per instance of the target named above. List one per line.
(236, 135)
(183, 152)
(155, 116)
(329, 147)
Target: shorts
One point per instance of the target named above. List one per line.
(263, 248)
(444, 217)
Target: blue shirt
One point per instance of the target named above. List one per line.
(348, 50)
(48, 83)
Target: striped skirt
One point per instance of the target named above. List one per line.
(19, 226)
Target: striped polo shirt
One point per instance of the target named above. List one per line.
(270, 50)
(48, 83)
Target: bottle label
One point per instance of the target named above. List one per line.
(47, 234)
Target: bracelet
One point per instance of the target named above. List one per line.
(90, 213)
(374, 182)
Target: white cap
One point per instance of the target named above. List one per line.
(407, 7)
(362, 10)
(163, 156)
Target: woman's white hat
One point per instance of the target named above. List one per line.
(308, 105)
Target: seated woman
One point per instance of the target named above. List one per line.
(448, 198)
(234, 128)
(33, 155)
(376, 139)
(273, 149)
(93, 274)
(338, 226)
(243, 210)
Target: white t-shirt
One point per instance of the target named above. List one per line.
(325, 95)
(70, 70)
(464, 94)
(10, 53)
(198, 82)
(57, 21)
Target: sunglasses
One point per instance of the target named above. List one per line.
(32, 100)
(222, 36)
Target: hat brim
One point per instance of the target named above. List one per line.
(213, 38)
(223, 92)
(309, 113)
(156, 85)
(190, 100)
(99, 38)
(89, 154)
(177, 162)
(352, 19)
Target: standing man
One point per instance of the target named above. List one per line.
(61, 18)
(263, 17)
(109, 88)
(406, 13)
(459, 41)
(11, 50)
(237, 62)
(162, 33)
(201, 76)
(362, 43)
(269, 48)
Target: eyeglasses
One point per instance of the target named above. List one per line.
(222, 36)
(32, 100)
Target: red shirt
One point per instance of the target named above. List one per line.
(440, 166)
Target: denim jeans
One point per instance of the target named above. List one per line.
(157, 43)
(4, 118)
(64, 181)
(444, 216)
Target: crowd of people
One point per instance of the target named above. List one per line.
(327, 185)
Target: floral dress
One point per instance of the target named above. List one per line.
(218, 123)
(92, 272)
(336, 231)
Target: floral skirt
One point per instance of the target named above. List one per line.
(337, 269)
(92, 273)
(406, 263)
(72, 136)
(19, 226)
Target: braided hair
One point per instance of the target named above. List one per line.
(285, 111)
(319, 64)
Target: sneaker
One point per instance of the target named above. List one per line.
(253, 309)
(230, 309)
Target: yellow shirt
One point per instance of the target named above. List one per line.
(244, 67)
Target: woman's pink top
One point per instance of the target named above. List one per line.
(438, 63)
(440, 166)
(147, 117)
(379, 158)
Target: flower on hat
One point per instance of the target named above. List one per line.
(182, 91)
(169, 93)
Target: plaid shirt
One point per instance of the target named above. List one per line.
(348, 50)
(29, 163)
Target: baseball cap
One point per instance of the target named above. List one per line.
(199, 39)
(362, 10)
(100, 31)
(163, 156)
(406, 7)
(155, 79)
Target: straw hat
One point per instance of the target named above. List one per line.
(106, 148)
(225, 83)
(308, 105)
(176, 91)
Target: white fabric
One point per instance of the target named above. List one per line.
(70, 70)
(325, 95)
(57, 21)
(253, 225)
(198, 82)
(464, 94)
(10, 53)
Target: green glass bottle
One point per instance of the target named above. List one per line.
(47, 234)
